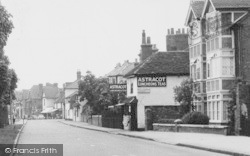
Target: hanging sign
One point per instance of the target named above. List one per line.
(118, 87)
(151, 81)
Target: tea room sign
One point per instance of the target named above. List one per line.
(151, 81)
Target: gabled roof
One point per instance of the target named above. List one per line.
(165, 63)
(231, 3)
(50, 92)
(71, 85)
(226, 4)
(71, 95)
(25, 94)
(122, 70)
(61, 97)
(195, 9)
(36, 92)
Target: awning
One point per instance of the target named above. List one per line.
(128, 100)
(49, 110)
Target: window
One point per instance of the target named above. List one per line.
(225, 110)
(204, 71)
(208, 70)
(226, 42)
(198, 50)
(212, 44)
(198, 73)
(208, 109)
(213, 110)
(208, 46)
(227, 84)
(131, 88)
(218, 110)
(228, 66)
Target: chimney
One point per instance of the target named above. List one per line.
(148, 40)
(172, 31)
(143, 37)
(55, 85)
(183, 30)
(169, 32)
(118, 65)
(78, 74)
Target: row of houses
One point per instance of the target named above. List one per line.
(213, 52)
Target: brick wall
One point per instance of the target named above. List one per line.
(177, 42)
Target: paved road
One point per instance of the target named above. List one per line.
(78, 142)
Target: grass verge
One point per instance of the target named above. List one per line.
(8, 134)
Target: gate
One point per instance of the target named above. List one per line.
(112, 119)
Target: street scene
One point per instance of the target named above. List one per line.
(124, 78)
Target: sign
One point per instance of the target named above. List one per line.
(151, 81)
(118, 87)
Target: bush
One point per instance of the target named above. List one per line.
(166, 121)
(195, 118)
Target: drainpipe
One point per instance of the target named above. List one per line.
(239, 82)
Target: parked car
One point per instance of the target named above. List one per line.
(40, 116)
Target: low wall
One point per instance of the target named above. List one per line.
(223, 130)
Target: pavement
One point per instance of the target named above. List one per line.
(233, 145)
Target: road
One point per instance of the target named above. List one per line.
(78, 142)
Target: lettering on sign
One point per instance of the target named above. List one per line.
(118, 87)
(151, 81)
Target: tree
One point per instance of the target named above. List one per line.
(8, 77)
(183, 95)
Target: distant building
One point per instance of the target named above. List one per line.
(116, 78)
(177, 41)
(147, 49)
(71, 92)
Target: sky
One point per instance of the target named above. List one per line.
(52, 39)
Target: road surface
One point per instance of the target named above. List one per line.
(81, 142)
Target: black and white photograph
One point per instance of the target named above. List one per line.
(124, 77)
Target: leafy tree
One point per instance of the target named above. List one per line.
(183, 95)
(8, 77)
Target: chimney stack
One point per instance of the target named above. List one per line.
(172, 31)
(148, 40)
(78, 74)
(143, 37)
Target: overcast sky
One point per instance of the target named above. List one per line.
(54, 38)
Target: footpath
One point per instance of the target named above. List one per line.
(233, 145)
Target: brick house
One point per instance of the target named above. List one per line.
(219, 52)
